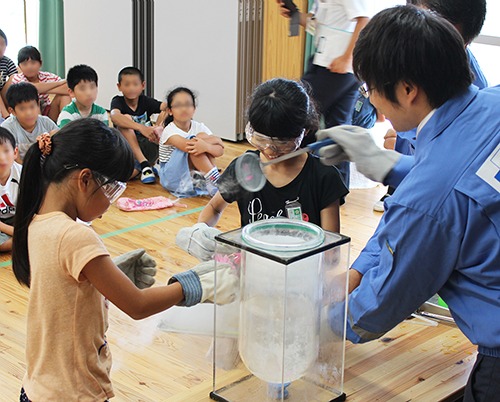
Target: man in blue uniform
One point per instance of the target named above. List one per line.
(467, 16)
(450, 242)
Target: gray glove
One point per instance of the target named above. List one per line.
(355, 144)
(198, 284)
(198, 241)
(138, 266)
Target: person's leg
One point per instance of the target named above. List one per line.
(484, 380)
(57, 105)
(205, 164)
(136, 142)
(201, 163)
(6, 246)
(131, 138)
(335, 95)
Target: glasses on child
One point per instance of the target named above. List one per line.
(262, 142)
(112, 189)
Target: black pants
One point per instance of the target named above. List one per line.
(484, 380)
(24, 398)
(335, 95)
(149, 149)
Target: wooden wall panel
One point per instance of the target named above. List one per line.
(283, 55)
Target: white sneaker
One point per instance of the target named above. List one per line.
(147, 175)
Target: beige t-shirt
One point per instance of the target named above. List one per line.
(67, 357)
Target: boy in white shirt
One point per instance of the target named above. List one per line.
(10, 175)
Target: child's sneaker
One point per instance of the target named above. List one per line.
(156, 169)
(148, 176)
(198, 179)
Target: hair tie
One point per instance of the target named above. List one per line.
(44, 143)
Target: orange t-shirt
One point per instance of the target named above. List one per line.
(67, 357)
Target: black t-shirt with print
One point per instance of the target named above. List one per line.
(315, 188)
(146, 106)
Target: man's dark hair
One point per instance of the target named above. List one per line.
(79, 73)
(466, 15)
(22, 92)
(6, 137)
(2, 34)
(28, 53)
(130, 71)
(411, 45)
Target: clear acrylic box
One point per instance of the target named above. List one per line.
(291, 275)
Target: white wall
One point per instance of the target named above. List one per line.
(99, 33)
(196, 45)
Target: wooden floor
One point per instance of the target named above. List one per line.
(150, 365)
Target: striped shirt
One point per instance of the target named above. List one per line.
(7, 68)
(71, 112)
(43, 77)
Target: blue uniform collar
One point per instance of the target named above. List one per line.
(444, 116)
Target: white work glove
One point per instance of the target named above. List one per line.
(198, 284)
(198, 241)
(138, 266)
(355, 144)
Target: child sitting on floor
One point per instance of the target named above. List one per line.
(7, 68)
(187, 149)
(26, 123)
(131, 114)
(10, 175)
(82, 84)
(30, 62)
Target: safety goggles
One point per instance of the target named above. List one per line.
(112, 189)
(262, 142)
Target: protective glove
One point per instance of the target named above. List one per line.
(198, 241)
(355, 144)
(138, 266)
(198, 284)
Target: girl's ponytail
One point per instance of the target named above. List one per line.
(31, 192)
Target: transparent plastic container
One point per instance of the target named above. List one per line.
(292, 274)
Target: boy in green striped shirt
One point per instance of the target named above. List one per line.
(82, 87)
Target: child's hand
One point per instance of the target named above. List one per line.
(198, 284)
(198, 241)
(150, 134)
(138, 266)
(158, 131)
(196, 146)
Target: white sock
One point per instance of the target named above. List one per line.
(213, 175)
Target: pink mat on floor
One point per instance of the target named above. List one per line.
(146, 204)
